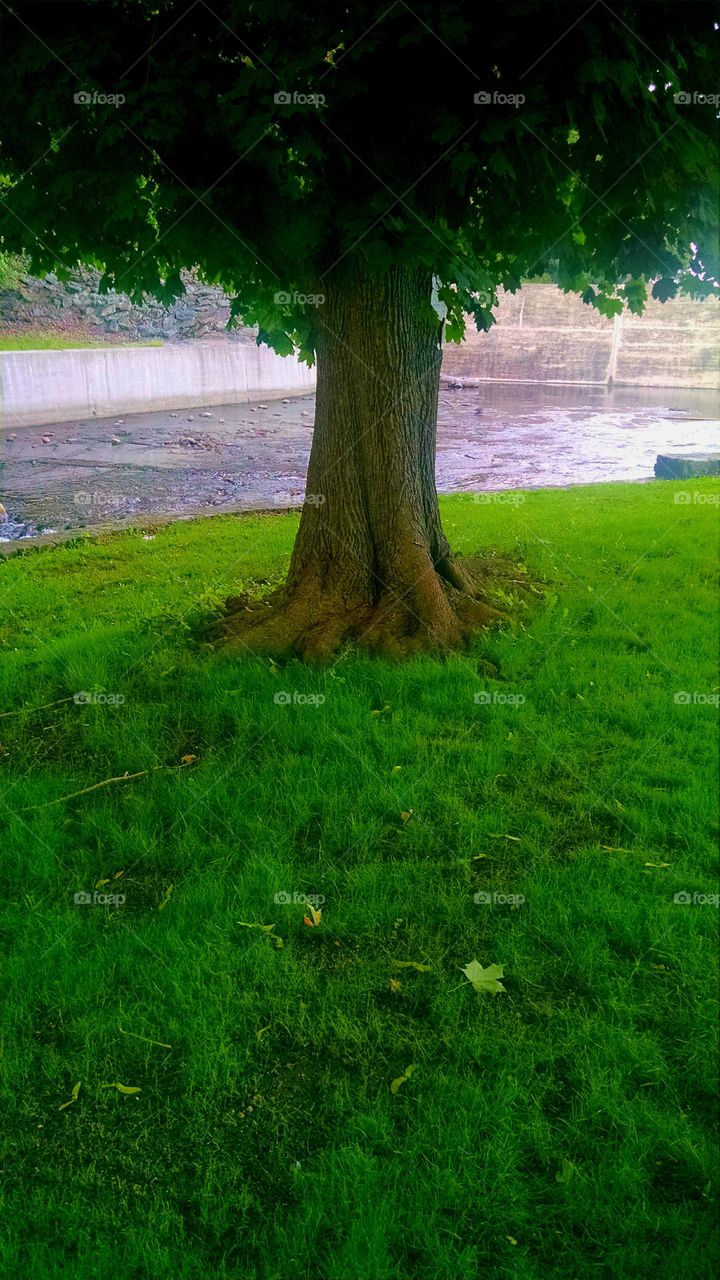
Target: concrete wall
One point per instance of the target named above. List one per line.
(39, 387)
(544, 335)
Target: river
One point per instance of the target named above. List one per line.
(497, 436)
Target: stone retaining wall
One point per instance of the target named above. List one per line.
(47, 304)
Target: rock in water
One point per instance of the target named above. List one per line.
(457, 384)
(683, 466)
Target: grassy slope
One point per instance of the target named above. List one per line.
(41, 340)
(565, 1128)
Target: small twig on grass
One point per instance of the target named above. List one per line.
(43, 706)
(146, 1039)
(124, 777)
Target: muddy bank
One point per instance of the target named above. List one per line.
(493, 437)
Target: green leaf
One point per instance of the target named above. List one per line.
(395, 1084)
(73, 1097)
(123, 1088)
(485, 979)
(412, 964)
(664, 289)
(166, 899)
(566, 1172)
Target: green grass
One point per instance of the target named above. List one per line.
(565, 1128)
(40, 340)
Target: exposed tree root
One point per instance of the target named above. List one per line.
(437, 614)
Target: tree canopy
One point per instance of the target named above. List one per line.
(268, 144)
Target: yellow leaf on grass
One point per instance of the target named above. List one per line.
(73, 1097)
(188, 759)
(395, 1084)
(315, 916)
(504, 837)
(394, 984)
(98, 883)
(657, 864)
(412, 964)
(396, 768)
(406, 815)
(123, 1088)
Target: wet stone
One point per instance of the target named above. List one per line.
(672, 466)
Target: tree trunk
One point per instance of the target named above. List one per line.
(371, 563)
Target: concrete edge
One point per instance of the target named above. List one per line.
(42, 541)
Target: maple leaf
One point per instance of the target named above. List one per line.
(485, 979)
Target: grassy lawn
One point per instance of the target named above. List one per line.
(41, 340)
(565, 1127)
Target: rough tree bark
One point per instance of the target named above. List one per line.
(370, 563)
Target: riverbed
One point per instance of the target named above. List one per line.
(492, 437)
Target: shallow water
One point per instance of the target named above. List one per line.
(493, 437)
